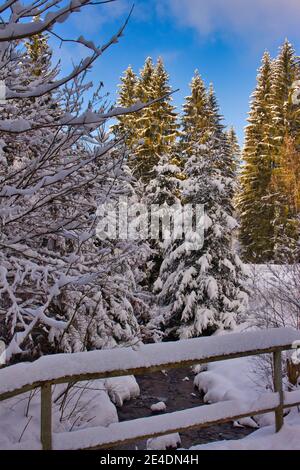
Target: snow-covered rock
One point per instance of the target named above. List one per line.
(157, 407)
(170, 441)
(121, 389)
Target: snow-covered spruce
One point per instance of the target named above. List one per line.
(152, 132)
(162, 194)
(201, 284)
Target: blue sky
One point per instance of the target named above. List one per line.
(224, 39)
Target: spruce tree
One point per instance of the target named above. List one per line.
(162, 194)
(285, 73)
(269, 223)
(285, 184)
(201, 284)
(284, 138)
(156, 125)
(254, 201)
(235, 149)
(144, 88)
(165, 124)
(195, 116)
(38, 52)
(125, 128)
(224, 162)
(152, 132)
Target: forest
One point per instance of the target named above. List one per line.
(69, 160)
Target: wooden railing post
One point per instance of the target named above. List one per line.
(278, 388)
(46, 416)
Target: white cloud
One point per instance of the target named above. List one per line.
(168, 56)
(239, 17)
(92, 18)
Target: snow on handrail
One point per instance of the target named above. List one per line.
(63, 368)
(292, 398)
(178, 421)
(143, 428)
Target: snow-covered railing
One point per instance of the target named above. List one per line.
(66, 368)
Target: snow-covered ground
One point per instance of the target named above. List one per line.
(93, 404)
(273, 302)
(274, 296)
(234, 379)
(87, 404)
(263, 439)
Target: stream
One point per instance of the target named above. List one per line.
(178, 393)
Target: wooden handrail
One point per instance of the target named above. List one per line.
(151, 358)
(76, 367)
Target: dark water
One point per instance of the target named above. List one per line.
(178, 394)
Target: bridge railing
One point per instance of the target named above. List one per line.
(144, 359)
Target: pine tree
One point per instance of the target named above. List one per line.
(201, 284)
(284, 123)
(165, 124)
(110, 311)
(152, 132)
(156, 125)
(254, 202)
(162, 194)
(195, 116)
(224, 162)
(144, 88)
(285, 184)
(38, 52)
(125, 128)
(31, 61)
(268, 221)
(235, 149)
(285, 73)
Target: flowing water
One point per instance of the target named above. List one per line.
(178, 393)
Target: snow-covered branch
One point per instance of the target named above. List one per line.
(89, 119)
(58, 283)
(85, 64)
(15, 29)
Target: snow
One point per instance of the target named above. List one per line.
(169, 441)
(204, 262)
(288, 438)
(86, 405)
(238, 379)
(159, 424)
(120, 361)
(295, 357)
(212, 288)
(152, 426)
(231, 222)
(18, 125)
(274, 295)
(157, 407)
(121, 389)
(230, 380)
(292, 398)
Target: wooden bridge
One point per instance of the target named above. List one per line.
(71, 368)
